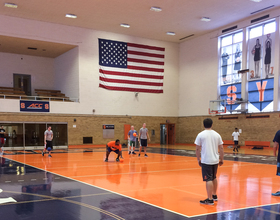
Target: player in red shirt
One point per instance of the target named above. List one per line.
(114, 146)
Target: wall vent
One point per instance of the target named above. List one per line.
(259, 19)
(87, 140)
(31, 48)
(229, 29)
(258, 116)
(228, 117)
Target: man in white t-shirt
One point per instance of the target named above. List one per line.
(235, 136)
(48, 137)
(208, 146)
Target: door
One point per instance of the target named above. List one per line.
(163, 133)
(13, 134)
(24, 82)
(60, 137)
(171, 133)
(34, 134)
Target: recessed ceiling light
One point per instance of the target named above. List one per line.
(125, 25)
(10, 5)
(156, 9)
(205, 19)
(256, 0)
(170, 33)
(70, 16)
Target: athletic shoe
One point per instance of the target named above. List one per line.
(129, 152)
(118, 160)
(207, 202)
(138, 155)
(133, 153)
(215, 197)
(233, 149)
(43, 154)
(146, 155)
(276, 194)
(106, 160)
(50, 155)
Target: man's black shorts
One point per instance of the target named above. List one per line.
(110, 150)
(235, 142)
(49, 144)
(209, 172)
(144, 142)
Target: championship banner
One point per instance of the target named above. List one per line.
(34, 106)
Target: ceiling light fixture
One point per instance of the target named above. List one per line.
(125, 25)
(205, 19)
(10, 5)
(71, 16)
(256, 0)
(156, 9)
(170, 33)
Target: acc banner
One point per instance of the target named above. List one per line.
(34, 106)
(230, 93)
(260, 95)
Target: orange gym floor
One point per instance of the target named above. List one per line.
(170, 178)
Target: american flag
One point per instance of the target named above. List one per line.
(130, 67)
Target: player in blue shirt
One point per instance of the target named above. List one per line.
(132, 135)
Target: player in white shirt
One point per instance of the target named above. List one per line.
(235, 136)
(208, 146)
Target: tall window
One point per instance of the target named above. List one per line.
(230, 58)
(261, 65)
(261, 51)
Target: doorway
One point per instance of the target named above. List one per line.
(23, 82)
(167, 133)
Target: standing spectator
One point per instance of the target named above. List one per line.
(132, 135)
(208, 144)
(48, 137)
(235, 136)
(144, 136)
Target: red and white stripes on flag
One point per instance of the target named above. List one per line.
(130, 67)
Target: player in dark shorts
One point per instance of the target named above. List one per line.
(2, 140)
(114, 146)
(276, 141)
(143, 140)
(208, 143)
(48, 137)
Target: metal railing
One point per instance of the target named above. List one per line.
(39, 98)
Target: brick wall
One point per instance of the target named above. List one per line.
(91, 126)
(253, 129)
